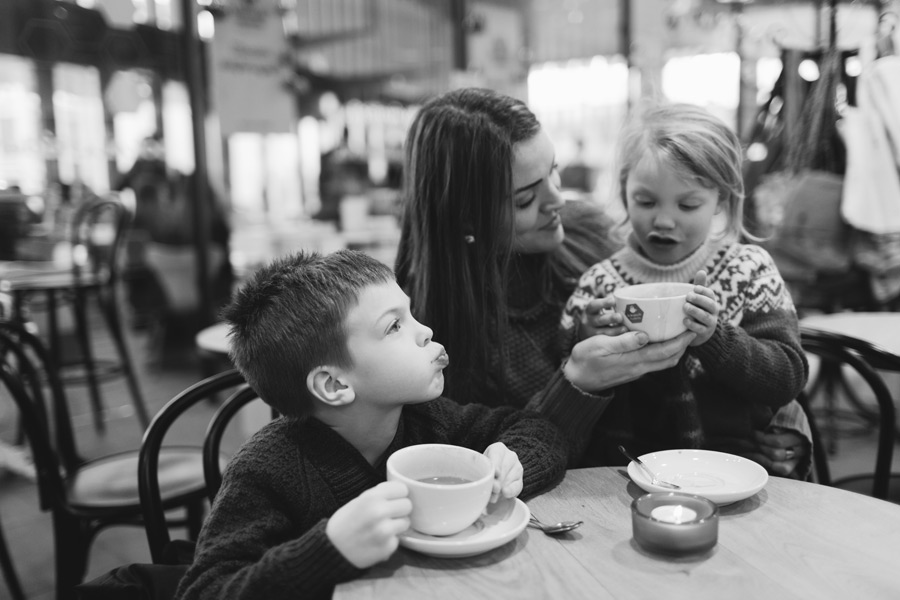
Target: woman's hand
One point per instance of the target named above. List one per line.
(780, 450)
(602, 362)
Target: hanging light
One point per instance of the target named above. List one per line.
(808, 69)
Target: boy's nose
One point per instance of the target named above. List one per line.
(425, 335)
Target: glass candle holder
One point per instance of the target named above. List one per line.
(674, 523)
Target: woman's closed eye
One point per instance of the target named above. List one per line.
(523, 203)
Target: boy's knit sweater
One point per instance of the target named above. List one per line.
(722, 390)
(265, 535)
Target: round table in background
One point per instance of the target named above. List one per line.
(881, 330)
(213, 339)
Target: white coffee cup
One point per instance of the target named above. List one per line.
(449, 486)
(657, 309)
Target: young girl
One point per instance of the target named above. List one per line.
(679, 174)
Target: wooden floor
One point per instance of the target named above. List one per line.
(28, 530)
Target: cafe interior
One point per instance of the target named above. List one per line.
(154, 154)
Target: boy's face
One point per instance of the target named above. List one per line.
(394, 360)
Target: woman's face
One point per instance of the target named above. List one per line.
(536, 197)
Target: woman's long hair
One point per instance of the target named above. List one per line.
(457, 224)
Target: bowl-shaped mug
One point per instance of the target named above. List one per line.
(657, 309)
(449, 486)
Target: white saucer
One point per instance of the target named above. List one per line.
(721, 477)
(502, 522)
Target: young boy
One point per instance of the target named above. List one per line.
(329, 342)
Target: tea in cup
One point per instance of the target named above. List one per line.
(449, 486)
(657, 309)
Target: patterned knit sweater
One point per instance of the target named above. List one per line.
(721, 391)
(265, 534)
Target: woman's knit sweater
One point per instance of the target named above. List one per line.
(529, 374)
(721, 391)
(265, 535)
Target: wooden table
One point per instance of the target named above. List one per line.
(791, 540)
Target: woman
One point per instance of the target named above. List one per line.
(489, 254)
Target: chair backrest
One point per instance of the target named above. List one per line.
(98, 232)
(31, 362)
(18, 377)
(152, 506)
(843, 351)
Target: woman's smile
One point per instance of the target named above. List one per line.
(553, 223)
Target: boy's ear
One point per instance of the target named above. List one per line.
(328, 385)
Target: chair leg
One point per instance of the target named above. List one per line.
(82, 330)
(9, 572)
(111, 314)
(72, 541)
(830, 383)
(195, 511)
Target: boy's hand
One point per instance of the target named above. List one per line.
(600, 318)
(365, 529)
(507, 471)
(702, 310)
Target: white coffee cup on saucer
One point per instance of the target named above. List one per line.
(449, 486)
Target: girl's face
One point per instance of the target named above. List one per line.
(536, 197)
(671, 216)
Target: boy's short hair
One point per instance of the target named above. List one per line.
(290, 318)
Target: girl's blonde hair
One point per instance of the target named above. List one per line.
(696, 144)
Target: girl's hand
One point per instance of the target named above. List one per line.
(507, 471)
(702, 310)
(600, 318)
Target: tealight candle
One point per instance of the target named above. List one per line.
(674, 523)
(673, 513)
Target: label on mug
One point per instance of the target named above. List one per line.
(634, 313)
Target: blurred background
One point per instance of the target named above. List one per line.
(240, 129)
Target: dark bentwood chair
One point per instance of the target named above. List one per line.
(83, 496)
(97, 236)
(153, 504)
(837, 353)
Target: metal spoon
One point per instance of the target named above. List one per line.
(653, 478)
(558, 528)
